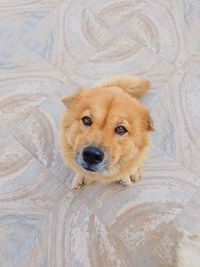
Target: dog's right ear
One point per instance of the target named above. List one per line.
(68, 100)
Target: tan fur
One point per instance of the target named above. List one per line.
(111, 102)
(134, 85)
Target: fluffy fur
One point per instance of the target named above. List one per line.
(188, 250)
(110, 103)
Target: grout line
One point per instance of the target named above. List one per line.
(35, 157)
(47, 61)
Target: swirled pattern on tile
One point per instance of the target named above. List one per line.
(39, 133)
(19, 96)
(190, 97)
(139, 214)
(178, 123)
(82, 39)
(79, 238)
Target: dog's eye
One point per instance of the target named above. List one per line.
(87, 121)
(120, 130)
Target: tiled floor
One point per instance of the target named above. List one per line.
(49, 48)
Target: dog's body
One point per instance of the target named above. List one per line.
(105, 131)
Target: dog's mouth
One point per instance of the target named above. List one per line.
(89, 168)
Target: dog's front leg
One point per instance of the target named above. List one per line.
(77, 181)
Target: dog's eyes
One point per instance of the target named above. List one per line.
(120, 130)
(87, 121)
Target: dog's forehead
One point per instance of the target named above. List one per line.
(113, 108)
(110, 99)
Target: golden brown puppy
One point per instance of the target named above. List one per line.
(105, 131)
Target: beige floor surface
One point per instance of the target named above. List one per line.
(49, 48)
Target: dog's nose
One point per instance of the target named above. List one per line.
(92, 155)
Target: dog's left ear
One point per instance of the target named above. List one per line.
(147, 122)
(150, 125)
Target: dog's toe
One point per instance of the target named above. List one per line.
(135, 177)
(77, 182)
(76, 185)
(125, 181)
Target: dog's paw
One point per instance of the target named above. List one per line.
(79, 181)
(125, 181)
(135, 177)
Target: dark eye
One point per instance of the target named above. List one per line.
(87, 121)
(120, 130)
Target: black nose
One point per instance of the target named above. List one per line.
(92, 155)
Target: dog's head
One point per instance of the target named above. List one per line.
(102, 129)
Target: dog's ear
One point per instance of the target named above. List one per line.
(68, 100)
(147, 122)
(150, 124)
(135, 86)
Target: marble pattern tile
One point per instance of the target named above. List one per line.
(96, 50)
(178, 123)
(23, 16)
(186, 222)
(50, 48)
(26, 80)
(42, 223)
(25, 182)
(39, 133)
(139, 214)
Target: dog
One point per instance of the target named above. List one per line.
(105, 131)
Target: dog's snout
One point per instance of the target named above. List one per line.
(93, 155)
